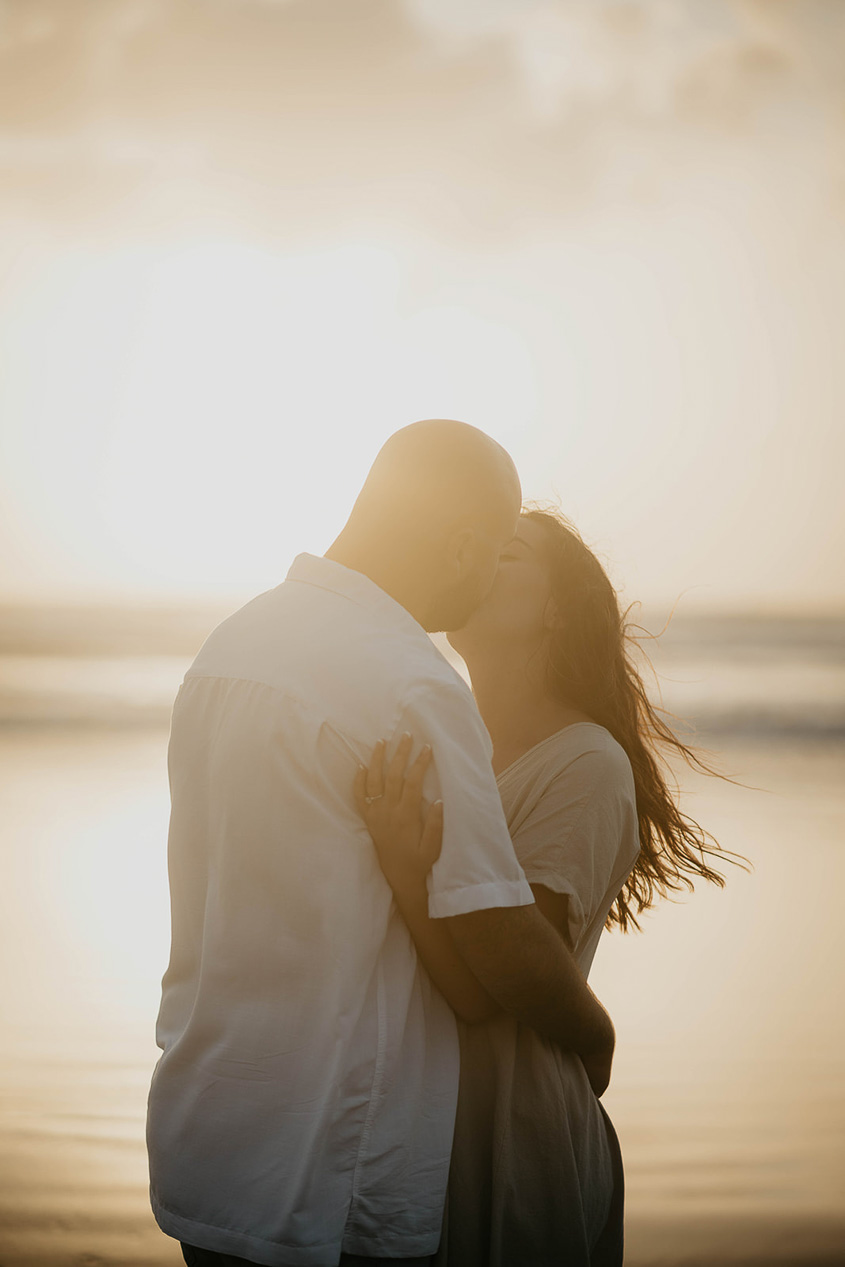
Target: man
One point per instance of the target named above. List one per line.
(301, 1114)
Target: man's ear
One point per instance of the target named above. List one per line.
(460, 553)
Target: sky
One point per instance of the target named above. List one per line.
(241, 241)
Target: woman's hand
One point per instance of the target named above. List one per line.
(407, 838)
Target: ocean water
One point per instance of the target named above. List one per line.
(728, 1091)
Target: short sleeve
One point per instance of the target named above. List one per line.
(570, 840)
(477, 867)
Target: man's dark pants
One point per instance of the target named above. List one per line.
(210, 1258)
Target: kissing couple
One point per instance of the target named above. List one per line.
(379, 1044)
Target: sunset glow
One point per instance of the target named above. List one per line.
(242, 242)
(186, 419)
(210, 407)
(607, 234)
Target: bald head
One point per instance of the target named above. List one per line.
(440, 501)
(436, 473)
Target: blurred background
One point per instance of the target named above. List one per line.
(241, 242)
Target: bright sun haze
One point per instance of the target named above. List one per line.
(237, 254)
(183, 419)
(241, 243)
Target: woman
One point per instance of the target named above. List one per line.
(536, 1173)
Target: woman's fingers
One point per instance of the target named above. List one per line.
(359, 789)
(389, 799)
(412, 792)
(399, 782)
(395, 780)
(375, 774)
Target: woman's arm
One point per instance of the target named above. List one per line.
(555, 907)
(408, 845)
(462, 991)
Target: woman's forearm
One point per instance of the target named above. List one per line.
(534, 977)
(460, 988)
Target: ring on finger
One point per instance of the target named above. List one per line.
(368, 800)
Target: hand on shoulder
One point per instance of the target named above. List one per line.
(407, 835)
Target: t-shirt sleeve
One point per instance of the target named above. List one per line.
(477, 867)
(570, 841)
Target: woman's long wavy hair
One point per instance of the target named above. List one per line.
(591, 667)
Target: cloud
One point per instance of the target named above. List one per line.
(648, 56)
(475, 122)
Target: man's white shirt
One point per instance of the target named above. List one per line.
(304, 1102)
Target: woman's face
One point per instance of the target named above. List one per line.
(515, 613)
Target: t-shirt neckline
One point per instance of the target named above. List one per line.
(555, 735)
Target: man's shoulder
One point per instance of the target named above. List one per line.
(233, 629)
(426, 668)
(339, 659)
(429, 679)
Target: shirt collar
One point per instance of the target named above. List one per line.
(310, 569)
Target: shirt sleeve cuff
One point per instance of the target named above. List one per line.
(479, 897)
